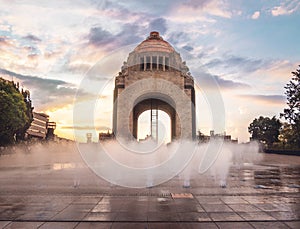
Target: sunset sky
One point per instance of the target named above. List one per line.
(248, 47)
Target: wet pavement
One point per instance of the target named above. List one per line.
(57, 190)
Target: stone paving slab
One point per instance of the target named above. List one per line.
(156, 225)
(150, 211)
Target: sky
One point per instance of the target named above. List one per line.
(248, 48)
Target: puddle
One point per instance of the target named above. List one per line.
(61, 166)
(281, 179)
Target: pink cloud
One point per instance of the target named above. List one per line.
(255, 15)
(286, 8)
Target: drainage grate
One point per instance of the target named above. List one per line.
(182, 195)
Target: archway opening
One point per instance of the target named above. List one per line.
(157, 108)
(145, 128)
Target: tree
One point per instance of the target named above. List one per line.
(12, 112)
(265, 130)
(20, 135)
(292, 113)
(201, 136)
(286, 135)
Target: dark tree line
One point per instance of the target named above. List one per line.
(15, 112)
(292, 112)
(265, 130)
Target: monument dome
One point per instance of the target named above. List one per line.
(154, 43)
(155, 54)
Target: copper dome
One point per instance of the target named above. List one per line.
(154, 43)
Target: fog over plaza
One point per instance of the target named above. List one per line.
(248, 48)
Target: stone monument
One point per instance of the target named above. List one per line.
(154, 77)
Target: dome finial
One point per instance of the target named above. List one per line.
(154, 35)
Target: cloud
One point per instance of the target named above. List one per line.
(129, 25)
(51, 54)
(86, 127)
(278, 70)
(214, 81)
(79, 68)
(266, 75)
(198, 10)
(255, 15)
(31, 49)
(198, 3)
(158, 24)
(103, 38)
(286, 8)
(137, 7)
(4, 41)
(102, 41)
(32, 56)
(129, 34)
(270, 99)
(178, 37)
(33, 38)
(98, 36)
(34, 80)
(188, 48)
(237, 64)
(45, 93)
(5, 27)
(230, 84)
(206, 52)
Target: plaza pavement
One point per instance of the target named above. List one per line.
(62, 192)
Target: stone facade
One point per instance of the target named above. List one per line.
(154, 74)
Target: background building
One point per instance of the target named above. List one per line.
(205, 138)
(41, 128)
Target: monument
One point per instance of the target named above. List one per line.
(153, 78)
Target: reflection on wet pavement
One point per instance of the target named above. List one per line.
(40, 192)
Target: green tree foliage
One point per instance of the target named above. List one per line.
(20, 135)
(265, 130)
(292, 113)
(286, 135)
(13, 116)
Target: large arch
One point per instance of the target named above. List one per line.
(153, 103)
(136, 98)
